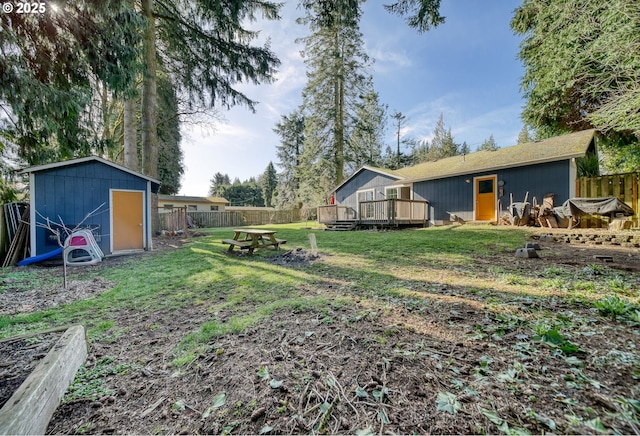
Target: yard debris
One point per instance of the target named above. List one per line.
(569, 214)
(294, 257)
(603, 258)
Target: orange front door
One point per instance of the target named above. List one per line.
(127, 220)
(485, 198)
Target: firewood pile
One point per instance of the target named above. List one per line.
(614, 211)
(527, 214)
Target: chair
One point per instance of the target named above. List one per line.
(81, 248)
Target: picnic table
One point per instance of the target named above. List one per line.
(250, 239)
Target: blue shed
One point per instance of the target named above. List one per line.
(66, 192)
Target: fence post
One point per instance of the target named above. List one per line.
(186, 223)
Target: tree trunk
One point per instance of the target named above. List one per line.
(130, 135)
(339, 150)
(149, 104)
(149, 96)
(339, 106)
(106, 132)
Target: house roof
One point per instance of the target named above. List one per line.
(553, 149)
(383, 171)
(190, 199)
(79, 160)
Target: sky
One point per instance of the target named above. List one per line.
(465, 69)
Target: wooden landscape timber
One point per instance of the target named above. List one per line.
(30, 408)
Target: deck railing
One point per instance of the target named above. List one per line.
(334, 213)
(393, 211)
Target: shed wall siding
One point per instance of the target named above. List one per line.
(366, 179)
(455, 195)
(70, 193)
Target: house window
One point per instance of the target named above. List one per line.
(192, 208)
(485, 186)
(367, 210)
(215, 208)
(168, 207)
(402, 192)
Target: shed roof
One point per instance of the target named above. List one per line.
(192, 199)
(80, 160)
(553, 149)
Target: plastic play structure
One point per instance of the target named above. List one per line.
(40, 258)
(82, 249)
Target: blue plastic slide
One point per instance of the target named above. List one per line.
(40, 257)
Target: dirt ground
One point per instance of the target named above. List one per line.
(321, 372)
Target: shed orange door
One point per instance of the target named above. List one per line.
(485, 194)
(127, 220)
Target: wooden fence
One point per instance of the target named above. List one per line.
(181, 219)
(260, 217)
(623, 186)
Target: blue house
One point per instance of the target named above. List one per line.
(473, 187)
(66, 192)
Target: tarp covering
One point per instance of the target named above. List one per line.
(577, 207)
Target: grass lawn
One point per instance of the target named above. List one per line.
(438, 330)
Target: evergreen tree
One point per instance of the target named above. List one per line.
(218, 181)
(365, 146)
(268, 184)
(291, 132)
(419, 14)
(170, 158)
(51, 64)
(337, 74)
(488, 144)
(419, 152)
(218, 57)
(581, 63)
(524, 136)
(442, 144)
(399, 120)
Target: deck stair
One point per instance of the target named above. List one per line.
(341, 226)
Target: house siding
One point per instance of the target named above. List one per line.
(69, 193)
(455, 195)
(346, 195)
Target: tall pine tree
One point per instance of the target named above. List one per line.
(365, 144)
(268, 184)
(442, 144)
(290, 129)
(337, 71)
(489, 144)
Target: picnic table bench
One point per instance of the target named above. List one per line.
(250, 239)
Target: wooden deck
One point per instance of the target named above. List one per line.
(391, 212)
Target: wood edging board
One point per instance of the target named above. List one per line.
(30, 408)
